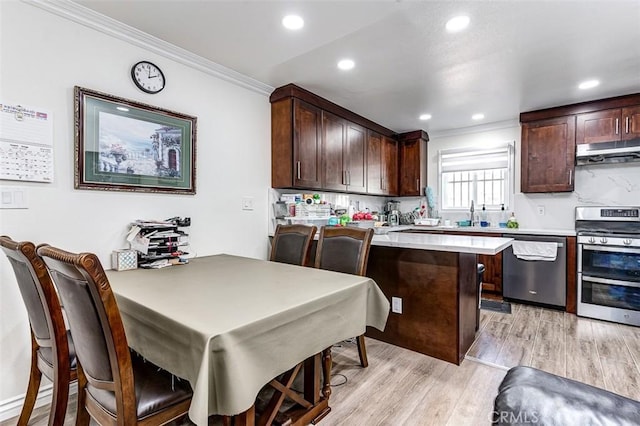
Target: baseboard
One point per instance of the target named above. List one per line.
(11, 407)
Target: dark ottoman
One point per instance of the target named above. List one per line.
(528, 396)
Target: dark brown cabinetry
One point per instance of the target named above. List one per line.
(413, 163)
(295, 144)
(608, 126)
(548, 155)
(550, 136)
(316, 144)
(382, 164)
(343, 153)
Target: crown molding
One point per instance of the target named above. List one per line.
(96, 21)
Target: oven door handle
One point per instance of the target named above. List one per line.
(608, 281)
(616, 249)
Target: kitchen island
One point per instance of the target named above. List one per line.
(435, 276)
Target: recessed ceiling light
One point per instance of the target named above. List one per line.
(477, 116)
(122, 109)
(458, 23)
(346, 64)
(425, 117)
(589, 84)
(293, 22)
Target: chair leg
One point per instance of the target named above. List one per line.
(59, 400)
(32, 390)
(82, 415)
(362, 351)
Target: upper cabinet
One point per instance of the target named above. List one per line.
(344, 155)
(382, 164)
(550, 137)
(548, 155)
(295, 144)
(413, 163)
(609, 125)
(318, 145)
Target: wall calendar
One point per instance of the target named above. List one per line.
(26, 143)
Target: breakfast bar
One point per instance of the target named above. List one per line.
(434, 276)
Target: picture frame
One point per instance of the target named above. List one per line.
(124, 145)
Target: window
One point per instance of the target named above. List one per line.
(482, 175)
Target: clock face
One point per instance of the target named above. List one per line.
(147, 77)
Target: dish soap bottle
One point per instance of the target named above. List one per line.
(503, 218)
(512, 222)
(483, 216)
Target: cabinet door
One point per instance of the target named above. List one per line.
(410, 165)
(334, 171)
(599, 126)
(548, 155)
(306, 145)
(390, 166)
(630, 123)
(375, 184)
(356, 158)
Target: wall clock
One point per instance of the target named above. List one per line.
(148, 77)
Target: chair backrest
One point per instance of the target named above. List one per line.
(48, 328)
(291, 244)
(344, 249)
(95, 323)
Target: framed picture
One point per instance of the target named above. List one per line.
(123, 145)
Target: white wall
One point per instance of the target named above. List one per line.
(616, 185)
(43, 57)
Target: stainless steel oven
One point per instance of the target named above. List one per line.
(609, 263)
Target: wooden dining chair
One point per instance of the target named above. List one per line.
(345, 249)
(115, 387)
(52, 350)
(292, 243)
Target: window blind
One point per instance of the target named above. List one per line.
(456, 160)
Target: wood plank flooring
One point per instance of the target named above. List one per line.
(402, 387)
(599, 353)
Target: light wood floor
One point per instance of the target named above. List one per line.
(403, 387)
(599, 353)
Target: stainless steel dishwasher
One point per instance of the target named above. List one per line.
(539, 281)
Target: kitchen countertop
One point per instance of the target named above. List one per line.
(488, 230)
(443, 242)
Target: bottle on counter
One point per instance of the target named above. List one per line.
(512, 222)
(483, 216)
(503, 217)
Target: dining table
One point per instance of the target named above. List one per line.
(230, 325)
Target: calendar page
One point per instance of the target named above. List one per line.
(26, 143)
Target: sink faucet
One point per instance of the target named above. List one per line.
(471, 210)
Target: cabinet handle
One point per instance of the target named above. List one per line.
(418, 185)
(626, 124)
(617, 126)
(570, 176)
(298, 169)
(348, 177)
(344, 177)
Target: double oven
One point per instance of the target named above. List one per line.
(609, 263)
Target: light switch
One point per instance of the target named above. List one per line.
(13, 197)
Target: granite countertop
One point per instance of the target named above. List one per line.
(489, 230)
(443, 242)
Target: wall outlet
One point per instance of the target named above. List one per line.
(247, 203)
(541, 210)
(396, 305)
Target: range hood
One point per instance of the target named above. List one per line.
(608, 152)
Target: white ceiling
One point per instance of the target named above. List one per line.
(515, 56)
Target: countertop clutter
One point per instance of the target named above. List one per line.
(492, 230)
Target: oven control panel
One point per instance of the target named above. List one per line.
(619, 212)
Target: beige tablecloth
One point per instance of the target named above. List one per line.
(230, 324)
